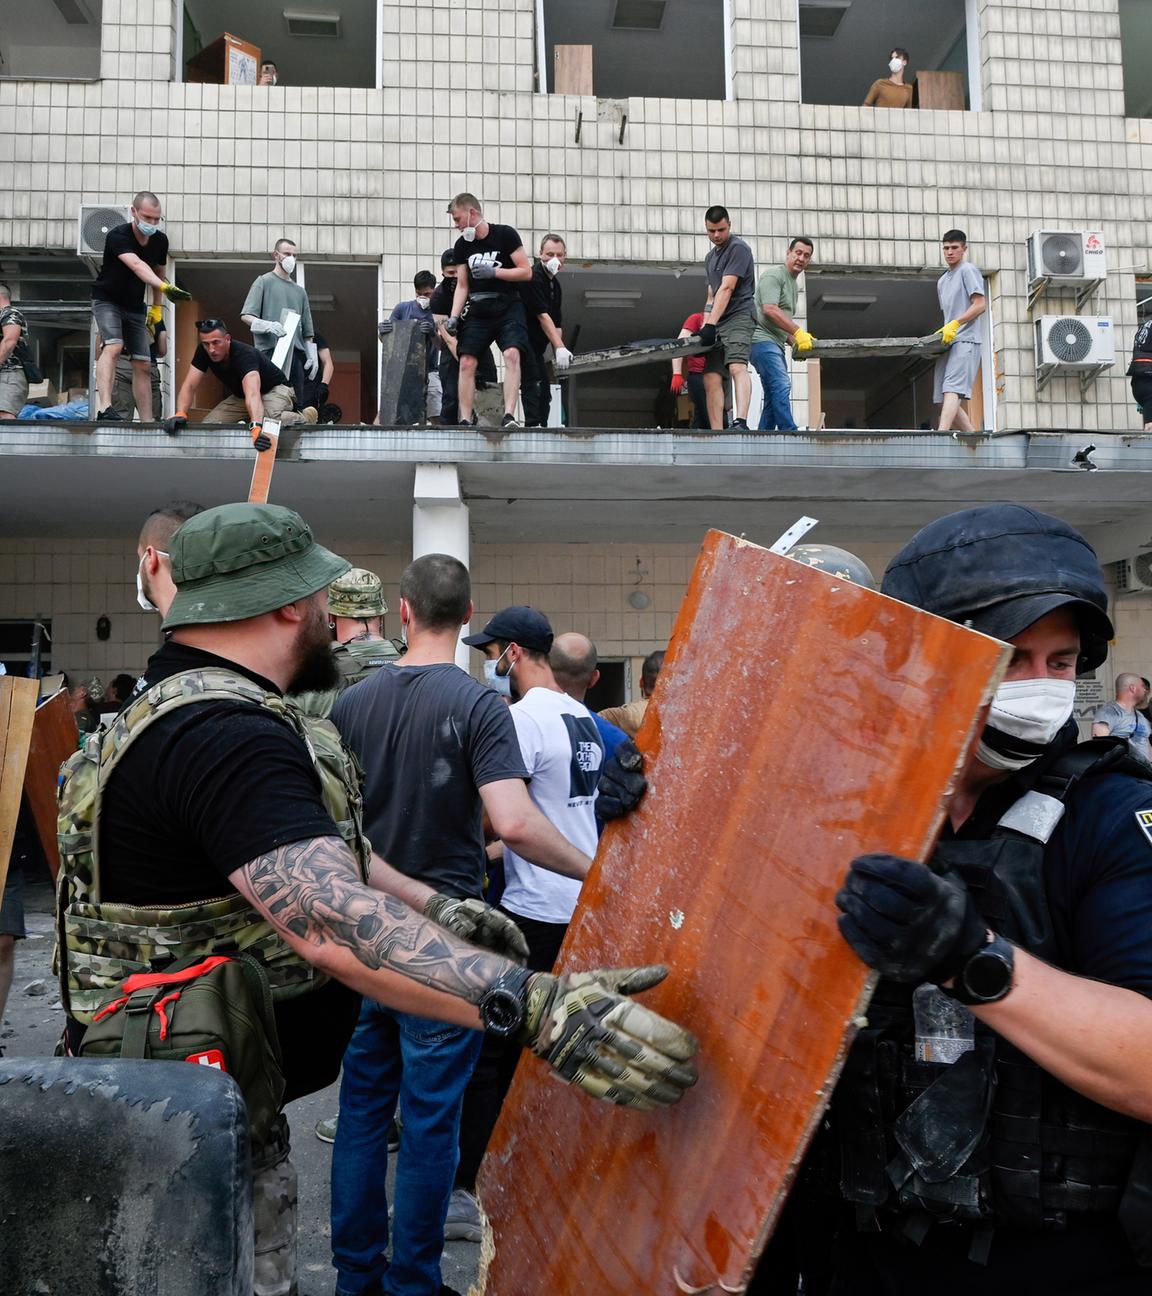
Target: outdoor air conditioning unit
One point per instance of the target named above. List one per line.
(1134, 575)
(1066, 257)
(96, 219)
(1074, 343)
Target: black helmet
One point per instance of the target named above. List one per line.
(1001, 567)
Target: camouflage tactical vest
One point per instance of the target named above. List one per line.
(99, 943)
(355, 660)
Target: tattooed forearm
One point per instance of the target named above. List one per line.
(307, 888)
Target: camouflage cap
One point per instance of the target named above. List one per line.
(242, 560)
(358, 593)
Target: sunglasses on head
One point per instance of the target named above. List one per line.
(210, 325)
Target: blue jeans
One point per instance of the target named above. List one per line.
(426, 1065)
(770, 363)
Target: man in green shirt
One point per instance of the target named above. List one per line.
(269, 297)
(776, 330)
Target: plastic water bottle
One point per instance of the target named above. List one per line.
(945, 1029)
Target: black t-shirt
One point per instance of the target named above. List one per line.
(441, 303)
(116, 283)
(496, 248)
(1142, 350)
(542, 296)
(428, 738)
(241, 359)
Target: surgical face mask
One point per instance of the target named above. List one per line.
(894, 65)
(500, 684)
(288, 264)
(468, 234)
(1025, 718)
(146, 229)
(141, 597)
(553, 265)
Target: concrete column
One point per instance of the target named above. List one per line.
(440, 522)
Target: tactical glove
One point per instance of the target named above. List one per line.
(260, 439)
(176, 424)
(175, 294)
(481, 272)
(949, 331)
(480, 924)
(452, 325)
(677, 384)
(908, 922)
(427, 326)
(272, 327)
(594, 1037)
(622, 782)
(803, 340)
(707, 334)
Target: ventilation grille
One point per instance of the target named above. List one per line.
(639, 15)
(312, 24)
(1070, 340)
(822, 18)
(1061, 254)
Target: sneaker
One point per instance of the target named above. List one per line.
(326, 1129)
(471, 421)
(738, 425)
(311, 413)
(510, 421)
(462, 1223)
(110, 415)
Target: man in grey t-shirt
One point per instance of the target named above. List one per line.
(1122, 718)
(729, 318)
(963, 300)
(269, 297)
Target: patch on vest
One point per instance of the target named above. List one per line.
(1144, 820)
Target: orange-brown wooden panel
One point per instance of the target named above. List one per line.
(17, 707)
(798, 721)
(54, 739)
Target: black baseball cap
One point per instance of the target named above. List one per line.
(519, 625)
(447, 258)
(1001, 567)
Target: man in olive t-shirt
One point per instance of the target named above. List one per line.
(776, 330)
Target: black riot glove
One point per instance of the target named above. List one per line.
(622, 782)
(322, 393)
(707, 334)
(427, 326)
(907, 921)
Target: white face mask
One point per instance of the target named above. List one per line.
(894, 65)
(1025, 718)
(553, 265)
(422, 301)
(288, 264)
(468, 234)
(501, 684)
(142, 598)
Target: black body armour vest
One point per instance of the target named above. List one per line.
(991, 1139)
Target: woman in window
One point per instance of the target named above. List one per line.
(891, 91)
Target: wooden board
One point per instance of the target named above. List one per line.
(261, 482)
(573, 69)
(54, 739)
(940, 90)
(798, 721)
(17, 709)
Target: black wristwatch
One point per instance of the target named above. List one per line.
(987, 976)
(502, 1005)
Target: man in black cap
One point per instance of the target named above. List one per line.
(990, 1130)
(216, 793)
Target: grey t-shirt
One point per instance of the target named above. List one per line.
(1123, 723)
(954, 288)
(267, 298)
(734, 258)
(777, 287)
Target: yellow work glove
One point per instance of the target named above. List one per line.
(803, 340)
(175, 294)
(949, 331)
(155, 315)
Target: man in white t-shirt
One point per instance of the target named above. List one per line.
(563, 753)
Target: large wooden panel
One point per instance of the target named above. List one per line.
(573, 69)
(54, 739)
(940, 89)
(798, 721)
(17, 709)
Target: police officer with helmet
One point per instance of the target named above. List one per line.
(990, 1130)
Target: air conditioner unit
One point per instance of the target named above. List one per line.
(1134, 575)
(1066, 256)
(1074, 343)
(96, 219)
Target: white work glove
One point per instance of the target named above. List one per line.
(563, 357)
(312, 364)
(268, 326)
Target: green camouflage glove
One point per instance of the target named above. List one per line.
(474, 921)
(594, 1037)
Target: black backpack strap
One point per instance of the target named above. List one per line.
(1086, 760)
